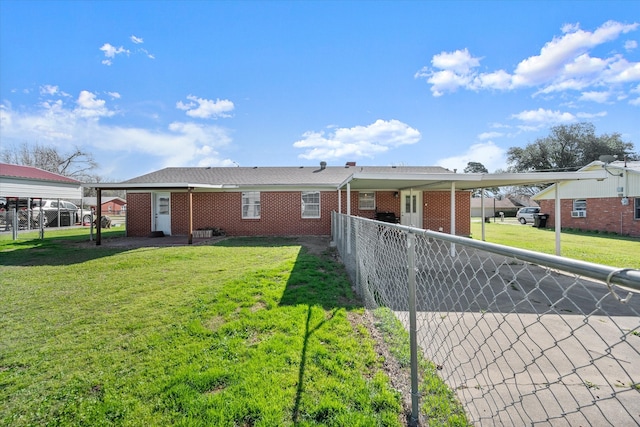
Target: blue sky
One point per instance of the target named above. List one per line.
(143, 85)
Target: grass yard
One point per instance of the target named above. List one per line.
(607, 249)
(246, 332)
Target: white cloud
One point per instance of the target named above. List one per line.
(180, 144)
(110, 52)
(51, 90)
(630, 45)
(589, 116)
(489, 135)
(563, 64)
(456, 70)
(114, 95)
(48, 90)
(358, 141)
(487, 153)
(206, 108)
(543, 116)
(460, 61)
(90, 106)
(595, 96)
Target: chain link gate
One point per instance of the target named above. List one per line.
(522, 337)
(23, 220)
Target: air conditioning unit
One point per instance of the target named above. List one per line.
(578, 214)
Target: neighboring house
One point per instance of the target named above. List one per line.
(109, 205)
(611, 204)
(492, 207)
(285, 201)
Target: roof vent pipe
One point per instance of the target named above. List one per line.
(323, 165)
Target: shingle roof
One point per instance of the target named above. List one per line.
(28, 172)
(288, 176)
(476, 202)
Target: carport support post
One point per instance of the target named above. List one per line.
(482, 212)
(557, 219)
(413, 339)
(98, 219)
(190, 191)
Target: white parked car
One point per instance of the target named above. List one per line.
(526, 215)
(70, 214)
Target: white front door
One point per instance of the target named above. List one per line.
(162, 213)
(411, 208)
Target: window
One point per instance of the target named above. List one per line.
(580, 205)
(310, 204)
(366, 201)
(251, 204)
(163, 205)
(410, 203)
(636, 208)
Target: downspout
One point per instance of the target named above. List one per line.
(348, 217)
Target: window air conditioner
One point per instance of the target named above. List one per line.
(578, 214)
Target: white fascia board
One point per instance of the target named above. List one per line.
(598, 175)
(154, 185)
(418, 178)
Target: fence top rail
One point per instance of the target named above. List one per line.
(627, 277)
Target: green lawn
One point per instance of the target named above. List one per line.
(607, 249)
(245, 332)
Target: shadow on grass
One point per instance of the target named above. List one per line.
(316, 281)
(55, 250)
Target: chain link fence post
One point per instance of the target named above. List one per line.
(413, 328)
(41, 224)
(14, 223)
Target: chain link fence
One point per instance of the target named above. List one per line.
(23, 220)
(523, 338)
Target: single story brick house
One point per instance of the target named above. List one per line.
(110, 205)
(611, 205)
(286, 201)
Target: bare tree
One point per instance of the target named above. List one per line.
(76, 164)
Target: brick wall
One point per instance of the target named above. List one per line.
(139, 223)
(280, 212)
(437, 211)
(603, 214)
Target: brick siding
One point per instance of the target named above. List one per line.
(280, 212)
(603, 214)
(437, 211)
(139, 221)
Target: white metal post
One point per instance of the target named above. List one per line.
(557, 219)
(413, 330)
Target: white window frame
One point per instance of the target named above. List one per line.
(250, 205)
(308, 204)
(367, 200)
